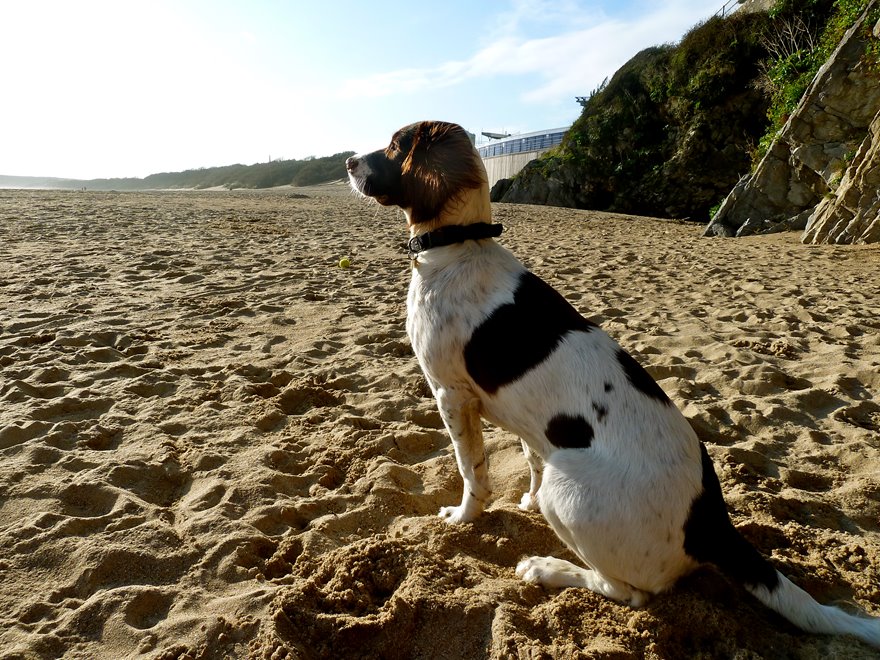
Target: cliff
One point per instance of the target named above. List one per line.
(678, 130)
(822, 172)
(668, 135)
(852, 213)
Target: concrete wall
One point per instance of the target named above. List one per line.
(756, 5)
(504, 167)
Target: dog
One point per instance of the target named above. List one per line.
(616, 469)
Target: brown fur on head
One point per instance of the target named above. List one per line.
(431, 170)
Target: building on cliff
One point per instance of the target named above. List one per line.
(505, 157)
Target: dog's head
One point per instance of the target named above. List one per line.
(428, 170)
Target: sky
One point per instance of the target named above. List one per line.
(127, 88)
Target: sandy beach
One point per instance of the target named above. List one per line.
(216, 443)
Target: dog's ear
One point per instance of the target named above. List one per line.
(440, 166)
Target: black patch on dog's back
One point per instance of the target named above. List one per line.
(641, 379)
(710, 537)
(569, 432)
(519, 336)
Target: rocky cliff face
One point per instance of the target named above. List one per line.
(852, 213)
(822, 172)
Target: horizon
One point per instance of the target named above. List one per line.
(124, 90)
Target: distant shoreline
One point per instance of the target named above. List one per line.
(329, 185)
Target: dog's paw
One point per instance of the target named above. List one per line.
(456, 514)
(533, 569)
(551, 572)
(529, 503)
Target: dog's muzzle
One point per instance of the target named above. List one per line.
(357, 173)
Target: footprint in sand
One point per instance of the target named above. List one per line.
(299, 399)
(160, 484)
(809, 481)
(152, 385)
(865, 415)
(19, 433)
(148, 607)
(100, 437)
(81, 406)
(19, 391)
(204, 494)
(88, 500)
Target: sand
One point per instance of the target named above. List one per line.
(216, 443)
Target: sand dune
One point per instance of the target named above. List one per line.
(216, 443)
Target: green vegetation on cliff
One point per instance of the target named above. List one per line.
(676, 127)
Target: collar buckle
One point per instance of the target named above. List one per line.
(413, 247)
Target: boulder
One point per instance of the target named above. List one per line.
(543, 182)
(852, 213)
(500, 189)
(799, 182)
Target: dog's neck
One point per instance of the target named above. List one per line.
(470, 207)
(450, 235)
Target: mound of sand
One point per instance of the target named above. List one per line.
(216, 443)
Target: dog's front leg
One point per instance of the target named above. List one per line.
(461, 415)
(529, 501)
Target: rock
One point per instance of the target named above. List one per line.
(755, 5)
(717, 225)
(794, 223)
(542, 182)
(799, 182)
(500, 189)
(852, 213)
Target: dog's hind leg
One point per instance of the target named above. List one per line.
(461, 415)
(529, 501)
(555, 573)
(582, 503)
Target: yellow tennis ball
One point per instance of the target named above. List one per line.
(345, 262)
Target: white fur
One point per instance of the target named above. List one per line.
(621, 504)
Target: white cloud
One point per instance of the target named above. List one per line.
(570, 63)
(526, 14)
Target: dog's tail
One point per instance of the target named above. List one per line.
(798, 606)
(711, 537)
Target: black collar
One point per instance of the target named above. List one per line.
(450, 234)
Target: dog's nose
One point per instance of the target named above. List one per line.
(351, 163)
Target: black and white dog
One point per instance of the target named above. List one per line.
(626, 483)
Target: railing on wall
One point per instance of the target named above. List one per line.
(729, 7)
